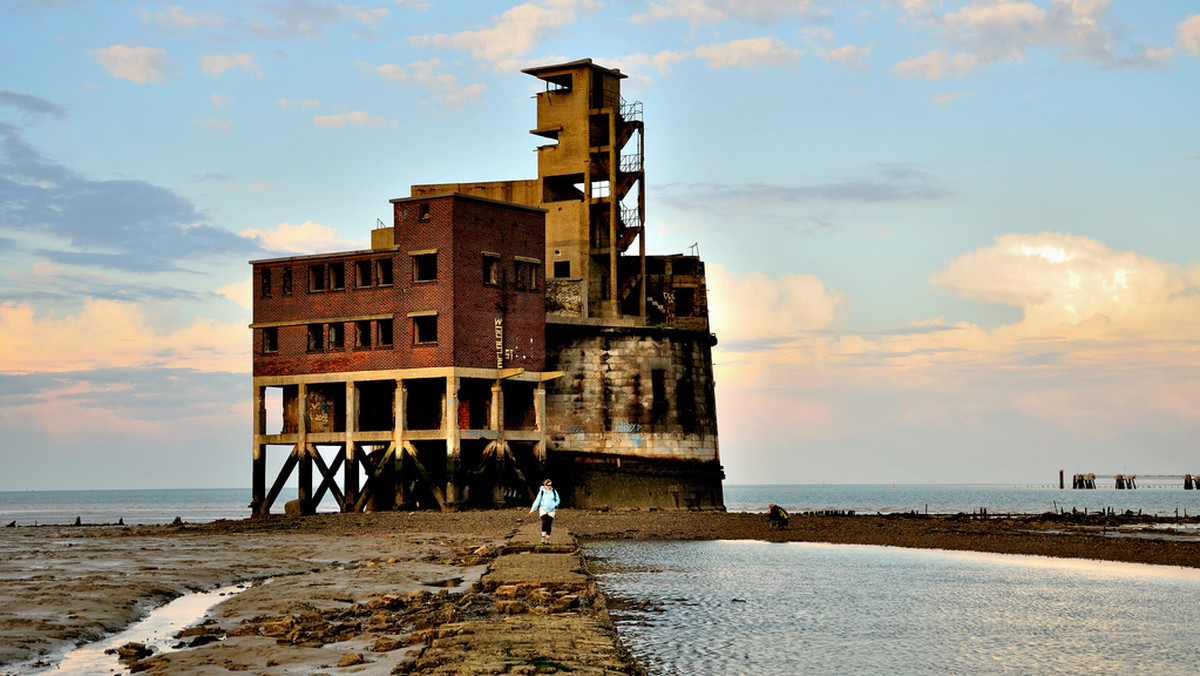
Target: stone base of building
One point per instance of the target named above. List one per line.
(604, 480)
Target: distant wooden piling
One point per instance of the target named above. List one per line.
(1083, 481)
(1190, 482)
(1125, 481)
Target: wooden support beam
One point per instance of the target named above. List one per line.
(373, 473)
(329, 478)
(285, 472)
(438, 495)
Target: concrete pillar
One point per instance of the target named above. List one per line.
(350, 475)
(399, 403)
(539, 409)
(453, 438)
(258, 463)
(304, 468)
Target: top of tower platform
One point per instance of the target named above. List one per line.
(543, 71)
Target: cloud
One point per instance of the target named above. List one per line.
(213, 123)
(1189, 34)
(641, 62)
(219, 101)
(31, 105)
(218, 64)
(748, 53)
(1103, 353)
(721, 11)
(850, 56)
(298, 103)
(367, 15)
(240, 293)
(447, 89)
(299, 18)
(1061, 280)
(936, 65)
(983, 32)
(107, 334)
(176, 17)
(514, 33)
(950, 98)
(885, 183)
(357, 118)
(139, 65)
(755, 307)
(126, 224)
(305, 238)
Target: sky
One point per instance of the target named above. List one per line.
(946, 241)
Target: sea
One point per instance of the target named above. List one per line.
(199, 505)
(748, 607)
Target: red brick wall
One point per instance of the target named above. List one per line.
(460, 229)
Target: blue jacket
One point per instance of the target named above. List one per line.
(546, 501)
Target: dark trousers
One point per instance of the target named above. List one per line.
(547, 523)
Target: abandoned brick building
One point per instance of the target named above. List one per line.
(496, 333)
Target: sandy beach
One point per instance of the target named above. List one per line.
(367, 593)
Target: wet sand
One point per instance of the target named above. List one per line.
(363, 593)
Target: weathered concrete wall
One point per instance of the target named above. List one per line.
(641, 396)
(593, 482)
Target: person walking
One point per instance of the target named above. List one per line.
(544, 504)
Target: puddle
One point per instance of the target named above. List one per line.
(155, 631)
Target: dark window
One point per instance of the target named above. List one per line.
(337, 276)
(423, 212)
(425, 267)
(270, 339)
(362, 274)
(527, 275)
(425, 330)
(562, 269)
(383, 272)
(362, 335)
(285, 282)
(685, 301)
(316, 337)
(385, 332)
(266, 283)
(337, 336)
(316, 278)
(491, 270)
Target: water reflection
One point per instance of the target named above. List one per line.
(772, 608)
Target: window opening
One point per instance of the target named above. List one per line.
(362, 274)
(337, 276)
(337, 336)
(423, 212)
(491, 270)
(425, 330)
(266, 283)
(526, 275)
(425, 267)
(270, 339)
(362, 335)
(285, 282)
(685, 301)
(562, 269)
(385, 332)
(316, 337)
(383, 272)
(316, 278)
